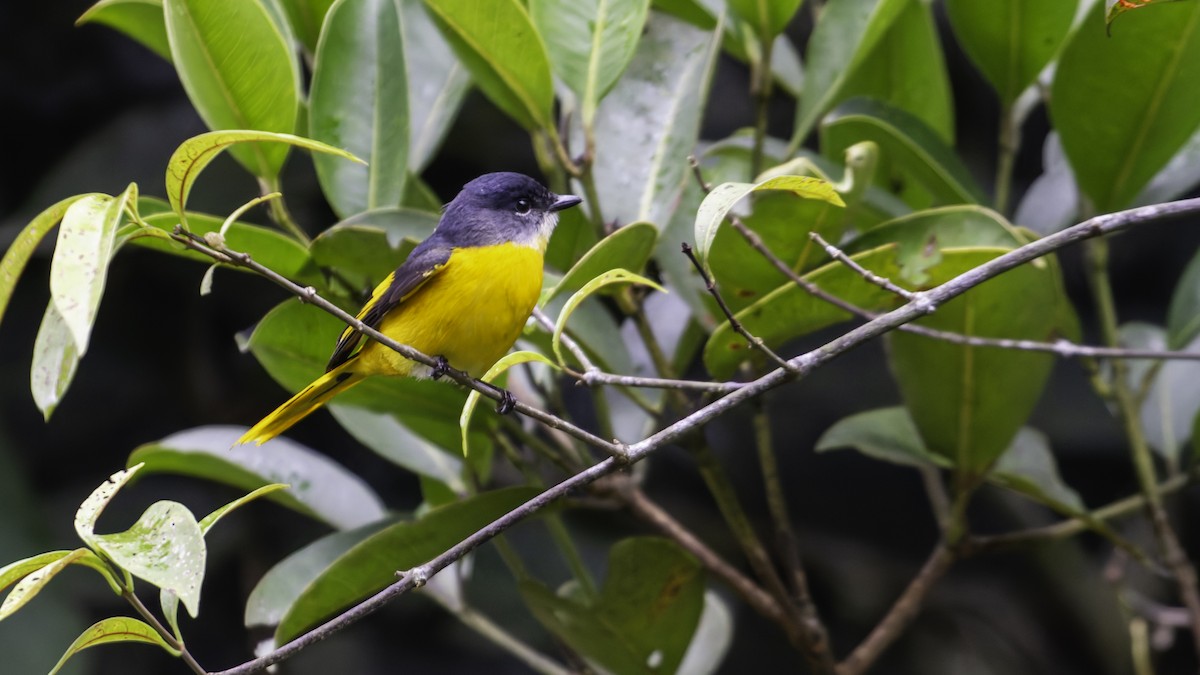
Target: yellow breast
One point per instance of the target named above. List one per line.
(471, 312)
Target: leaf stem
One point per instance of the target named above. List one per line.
(167, 635)
(280, 212)
(1008, 142)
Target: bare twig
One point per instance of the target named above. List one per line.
(900, 615)
(737, 326)
(840, 256)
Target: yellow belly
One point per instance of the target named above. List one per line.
(471, 312)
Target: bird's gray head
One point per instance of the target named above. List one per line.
(497, 208)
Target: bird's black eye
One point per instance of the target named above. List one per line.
(522, 207)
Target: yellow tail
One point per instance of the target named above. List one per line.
(299, 406)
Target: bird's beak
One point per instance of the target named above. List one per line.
(564, 202)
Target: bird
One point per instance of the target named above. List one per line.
(463, 295)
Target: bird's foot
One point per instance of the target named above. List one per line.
(507, 402)
(440, 367)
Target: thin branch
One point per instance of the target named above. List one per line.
(737, 326)
(840, 256)
(216, 250)
(167, 636)
(900, 615)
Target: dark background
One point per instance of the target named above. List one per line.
(86, 109)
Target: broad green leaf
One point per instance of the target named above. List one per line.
(270, 247)
(1125, 104)
(437, 84)
(501, 366)
(1028, 467)
(359, 101)
(238, 71)
(93, 506)
(279, 588)
(1172, 399)
(23, 246)
(628, 248)
(645, 616)
(80, 263)
(141, 20)
(392, 440)
(111, 630)
(371, 564)
(55, 358)
(319, 488)
(572, 238)
(921, 236)
(306, 18)
(768, 17)
(650, 122)
(1180, 175)
(497, 43)
(723, 197)
(590, 43)
(617, 276)
(921, 87)
(1010, 42)
(190, 158)
(886, 434)
(165, 547)
(369, 246)
(293, 342)
(847, 31)
(1183, 315)
(913, 150)
(34, 581)
(968, 402)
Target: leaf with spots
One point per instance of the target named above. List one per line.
(114, 629)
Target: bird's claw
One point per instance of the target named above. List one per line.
(440, 367)
(507, 402)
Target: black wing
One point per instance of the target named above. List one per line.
(422, 264)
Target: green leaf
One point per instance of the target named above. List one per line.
(293, 342)
(497, 43)
(1180, 175)
(501, 366)
(1010, 42)
(628, 248)
(968, 402)
(34, 581)
(921, 87)
(306, 17)
(369, 246)
(371, 565)
(590, 43)
(190, 158)
(573, 237)
(385, 435)
(1125, 104)
(23, 246)
(114, 629)
(213, 518)
(165, 547)
(1183, 315)
(913, 150)
(769, 17)
(280, 587)
(93, 506)
(886, 434)
(1028, 467)
(270, 247)
(80, 263)
(723, 197)
(617, 276)
(319, 488)
(920, 237)
(1172, 399)
(437, 84)
(55, 358)
(651, 121)
(141, 20)
(846, 32)
(645, 616)
(359, 101)
(238, 71)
